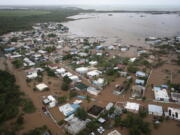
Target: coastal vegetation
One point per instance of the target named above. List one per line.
(19, 19)
(11, 102)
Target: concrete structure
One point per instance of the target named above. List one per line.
(132, 107)
(41, 86)
(93, 91)
(140, 74)
(161, 95)
(75, 125)
(155, 110)
(174, 113)
(114, 132)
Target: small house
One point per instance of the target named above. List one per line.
(41, 86)
(95, 111)
(161, 95)
(93, 91)
(174, 113)
(139, 82)
(140, 74)
(75, 125)
(155, 110)
(114, 132)
(132, 107)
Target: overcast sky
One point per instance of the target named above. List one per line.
(87, 2)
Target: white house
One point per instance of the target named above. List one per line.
(114, 132)
(161, 95)
(60, 70)
(94, 73)
(74, 78)
(132, 59)
(41, 86)
(32, 75)
(93, 91)
(174, 113)
(82, 70)
(132, 107)
(99, 82)
(155, 110)
(68, 74)
(93, 63)
(50, 101)
(140, 74)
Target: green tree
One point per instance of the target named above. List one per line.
(81, 113)
(17, 63)
(62, 99)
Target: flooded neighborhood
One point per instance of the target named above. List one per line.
(109, 73)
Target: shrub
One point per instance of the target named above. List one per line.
(81, 113)
(28, 106)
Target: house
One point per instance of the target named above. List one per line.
(155, 110)
(137, 91)
(178, 38)
(124, 49)
(68, 109)
(95, 111)
(9, 49)
(82, 54)
(41, 86)
(50, 101)
(94, 73)
(109, 106)
(53, 66)
(123, 74)
(175, 96)
(80, 86)
(174, 113)
(132, 107)
(139, 82)
(161, 94)
(60, 70)
(32, 75)
(75, 125)
(140, 74)
(132, 59)
(99, 82)
(93, 63)
(28, 62)
(114, 132)
(68, 74)
(93, 91)
(101, 120)
(82, 70)
(75, 78)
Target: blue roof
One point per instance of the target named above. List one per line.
(139, 73)
(75, 107)
(81, 97)
(164, 86)
(157, 88)
(9, 49)
(138, 81)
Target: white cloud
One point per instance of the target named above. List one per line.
(95, 2)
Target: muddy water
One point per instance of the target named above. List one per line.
(132, 28)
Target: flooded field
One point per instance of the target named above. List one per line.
(131, 28)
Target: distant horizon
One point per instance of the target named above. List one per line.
(106, 7)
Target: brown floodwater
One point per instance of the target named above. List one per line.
(131, 28)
